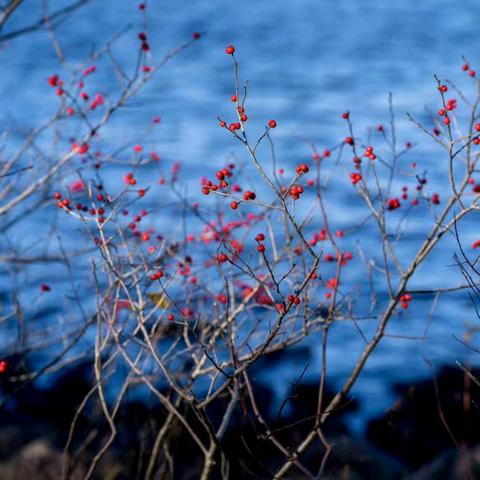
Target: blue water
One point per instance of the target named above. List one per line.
(306, 61)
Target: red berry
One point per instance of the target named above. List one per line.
(272, 123)
(443, 88)
(222, 257)
(230, 50)
(261, 247)
(3, 366)
(302, 168)
(393, 204)
(234, 205)
(260, 237)
(53, 80)
(355, 178)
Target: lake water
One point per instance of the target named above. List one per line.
(306, 61)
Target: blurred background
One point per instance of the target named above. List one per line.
(307, 61)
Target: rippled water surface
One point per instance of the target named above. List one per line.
(306, 62)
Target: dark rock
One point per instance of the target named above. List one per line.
(413, 429)
(451, 465)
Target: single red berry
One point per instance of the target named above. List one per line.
(260, 237)
(443, 88)
(53, 80)
(3, 366)
(446, 121)
(234, 205)
(261, 248)
(393, 204)
(272, 123)
(230, 50)
(222, 257)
